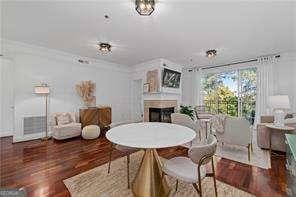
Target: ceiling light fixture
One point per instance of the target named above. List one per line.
(211, 53)
(104, 47)
(145, 7)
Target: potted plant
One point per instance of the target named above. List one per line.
(187, 110)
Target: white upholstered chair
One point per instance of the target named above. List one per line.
(237, 131)
(65, 131)
(192, 169)
(186, 121)
(125, 149)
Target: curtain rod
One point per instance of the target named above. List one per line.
(234, 63)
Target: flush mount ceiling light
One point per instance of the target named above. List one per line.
(104, 47)
(145, 7)
(211, 53)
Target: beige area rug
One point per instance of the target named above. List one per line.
(96, 182)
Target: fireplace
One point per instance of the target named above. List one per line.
(160, 114)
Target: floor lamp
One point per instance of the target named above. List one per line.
(43, 90)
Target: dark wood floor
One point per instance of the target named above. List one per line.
(40, 167)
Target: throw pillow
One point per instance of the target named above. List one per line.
(63, 119)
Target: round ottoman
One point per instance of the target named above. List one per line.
(91, 132)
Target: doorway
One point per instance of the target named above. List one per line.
(137, 100)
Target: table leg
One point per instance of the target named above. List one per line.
(149, 181)
(206, 130)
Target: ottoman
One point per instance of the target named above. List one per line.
(91, 132)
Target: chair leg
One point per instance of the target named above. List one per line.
(199, 135)
(110, 158)
(127, 168)
(214, 178)
(177, 182)
(249, 154)
(200, 191)
(196, 187)
(251, 146)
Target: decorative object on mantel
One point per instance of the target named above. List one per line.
(187, 110)
(146, 87)
(43, 90)
(152, 79)
(86, 90)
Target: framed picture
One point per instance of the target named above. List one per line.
(146, 87)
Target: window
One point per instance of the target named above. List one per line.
(231, 92)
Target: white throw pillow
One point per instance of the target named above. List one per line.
(64, 118)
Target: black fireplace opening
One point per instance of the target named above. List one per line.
(161, 114)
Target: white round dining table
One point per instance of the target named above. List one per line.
(149, 180)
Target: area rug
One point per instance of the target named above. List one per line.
(97, 182)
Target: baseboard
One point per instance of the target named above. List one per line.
(5, 134)
(28, 137)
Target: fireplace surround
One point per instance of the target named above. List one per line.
(159, 105)
(160, 114)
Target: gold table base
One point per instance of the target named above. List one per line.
(149, 181)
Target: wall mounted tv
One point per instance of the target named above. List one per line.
(170, 78)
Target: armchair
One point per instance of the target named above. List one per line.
(65, 131)
(277, 138)
(236, 131)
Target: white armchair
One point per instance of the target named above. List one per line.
(65, 131)
(236, 131)
(186, 121)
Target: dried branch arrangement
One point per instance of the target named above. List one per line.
(86, 89)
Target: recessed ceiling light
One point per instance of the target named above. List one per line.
(145, 7)
(211, 53)
(104, 47)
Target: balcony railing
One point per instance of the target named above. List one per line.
(231, 108)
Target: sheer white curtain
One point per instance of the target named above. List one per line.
(265, 87)
(197, 90)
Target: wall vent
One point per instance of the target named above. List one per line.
(34, 124)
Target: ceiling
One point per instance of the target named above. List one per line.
(180, 31)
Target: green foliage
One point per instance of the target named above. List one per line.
(220, 99)
(187, 110)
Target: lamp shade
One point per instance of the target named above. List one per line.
(279, 102)
(42, 89)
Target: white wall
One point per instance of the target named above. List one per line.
(7, 99)
(285, 77)
(62, 71)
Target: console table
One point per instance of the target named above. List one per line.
(100, 116)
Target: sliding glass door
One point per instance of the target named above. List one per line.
(231, 92)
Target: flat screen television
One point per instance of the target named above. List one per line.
(170, 78)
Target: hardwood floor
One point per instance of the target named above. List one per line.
(40, 167)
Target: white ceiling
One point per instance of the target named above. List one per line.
(177, 30)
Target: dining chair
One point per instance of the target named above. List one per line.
(128, 151)
(186, 121)
(192, 169)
